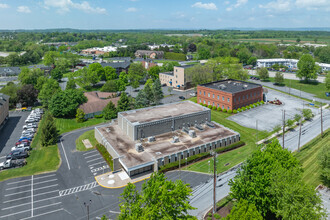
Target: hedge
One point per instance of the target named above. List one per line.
(214, 108)
(224, 110)
(230, 111)
(219, 109)
(98, 116)
(210, 106)
(105, 154)
(198, 157)
(235, 111)
(175, 56)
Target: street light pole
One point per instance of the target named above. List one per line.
(87, 207)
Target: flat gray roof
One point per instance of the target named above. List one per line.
(163, 146)
(163, 111)
(231, 85)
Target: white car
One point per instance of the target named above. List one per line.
(29, 120)
(21, 146)
(193, 94)
(30, 130)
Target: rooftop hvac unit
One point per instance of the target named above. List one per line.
(199, 127)
(175, 139)
(210, 124)
(184, 129)
(222, 86)
(139, 147)
(151, 139)
(192, 133)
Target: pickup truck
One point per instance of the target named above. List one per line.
(12, 163)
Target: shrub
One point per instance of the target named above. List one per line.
(210, 214)
(209, 218)
(98, 116)
(210, 106)
(80, 116)
(217, 216)
(230, 147)
(243, 108)
(201, 103)
(205, 105)
(214, 108)
(251, 106)
(239, 109)
(235, 111)
(219, 109)
(262, 102)
(224, 110)
(230, 111)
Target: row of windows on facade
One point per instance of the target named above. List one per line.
(228, 99)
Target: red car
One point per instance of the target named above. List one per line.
(25, 142)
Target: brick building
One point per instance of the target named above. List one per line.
(4, 108)
(229, 94)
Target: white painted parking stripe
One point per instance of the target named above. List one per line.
(2, 157)
(66, 158)
(46, 213)
(92, 155)
(5, 216)
(46, 193)
(92, 151)
(45, 187)
(30, 196)
(93, 160)
(11, 194)
(17, 187)
(41, 177)
(26, 185)
(96, 163)
(28, 203)
(46, 181)
(100, 168)
(17, 199)
(21, 181)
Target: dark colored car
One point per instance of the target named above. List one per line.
(29, 109)
(182, 97)
(17, 154)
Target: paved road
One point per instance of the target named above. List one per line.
(309, 131)
(286, 75)
(292, 91)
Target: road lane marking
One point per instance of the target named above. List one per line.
(92, 151)
(94, 159)
(30, 196)
(17, 187)
(46, 213)
(78, 189)
(66, 158)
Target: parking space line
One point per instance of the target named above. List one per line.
(93, 159)
(96, 163)
(17, 199)
(17, 187)
(46, 213)
(92, 151)
(41, 177)
(66, 158)
(45, 181)
(48, 205)
(46, 193)
(28, 203)
(11, 194)
(21, 181)
(99, 168)
(4, 216)
(78, 189)
(92, 155)
(32, 196)
(45, 187)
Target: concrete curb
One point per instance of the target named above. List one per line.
(117, 187)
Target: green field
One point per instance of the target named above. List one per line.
(41, 159)
(229, 159)
(308, 156)
(316, 89)
(87, 135)
(65, 125)
(285, 40)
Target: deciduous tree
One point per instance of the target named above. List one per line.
(243, 210)
(136, 72)
(263, 73)
(279, 79)
(324, 159)
(110, 73)
(307, 67)
(80, 116)
(71, 84)
(27, 95)
(110, 111)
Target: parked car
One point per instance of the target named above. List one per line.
(29, 109)
(192, 94)
(31, 130)
(182, 97)
(12, 163)
(25, 138)
(21, 147)
(17, 154)
(25, 142)
(30, 120)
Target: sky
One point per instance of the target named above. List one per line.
(163, 14)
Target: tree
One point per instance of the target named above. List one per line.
(192, 47)
(49, 88)
(56, 74)
(141, 99)
(80, 116)
(265, 180)
(252, 61)
(149, 82)
(110, 73)
(324, 159)
(110, 111)
(157, 91)
(11, 90)
(110, 86)
(149, 94)
(244, 210)
(64, 104)
(203, 53)
(50, 57)
(307, 113)
(136, 72)
(297, 117)
(28, 76)
(87, 77)
(243, 55)
(123, 103)
(279, 79)
(122, 82)
(40, 82)
(263, 73)
(298, 40)
(156, 200)
(327, 82)
(96, 73)
(289, 123)
(27, 95)
(71, 84)
(169, 66)
(307, 68)
(49, 133)
(153, 72)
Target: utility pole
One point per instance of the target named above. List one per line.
(283, 127)
(321, 122)
(299, 134)
(214, 182)
(180, 166)
(87, 207)
(257, 131)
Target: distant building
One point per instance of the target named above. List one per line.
(96, 103)
(9, 71)
(46, 69)
(177, 79)
(147, 64)
(149, 54)
(229, 94)
(4, 108)
(119, 66)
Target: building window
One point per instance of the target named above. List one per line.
(223, 106)
(228, 99)
(227, 108)
(213, 104)
(176, 70)
(218, 97)
(223, 98)
(255, 93)
(200, 92)
(176, 81)
(204, 93)
(239, 98)
(208, 95)
(213, 96)
(176, 76)
(204, 101)
(247, 96)
(208, 103)
(200, 100)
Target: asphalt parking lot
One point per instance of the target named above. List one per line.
(270, 115)
(11, 132)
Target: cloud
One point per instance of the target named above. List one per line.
(279, 5)
(23, 9)
(65, 6)
(131, 10)
(313, 5)
(237, 4)
(4, 5)
(208, 6)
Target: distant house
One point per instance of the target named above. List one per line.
(147, 64)
(150, 54)
(44, 68)
(9, 71)
(96, 103)
(119, 66)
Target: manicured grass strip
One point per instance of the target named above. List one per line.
(87, 135)
(309, 158)
(105, 154)
(65, 125)
(41, 159)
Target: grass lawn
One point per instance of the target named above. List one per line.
(308, 156)
(41, 159)
(87, 135)
(316, 89)
(65, 125)
(229, 159)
